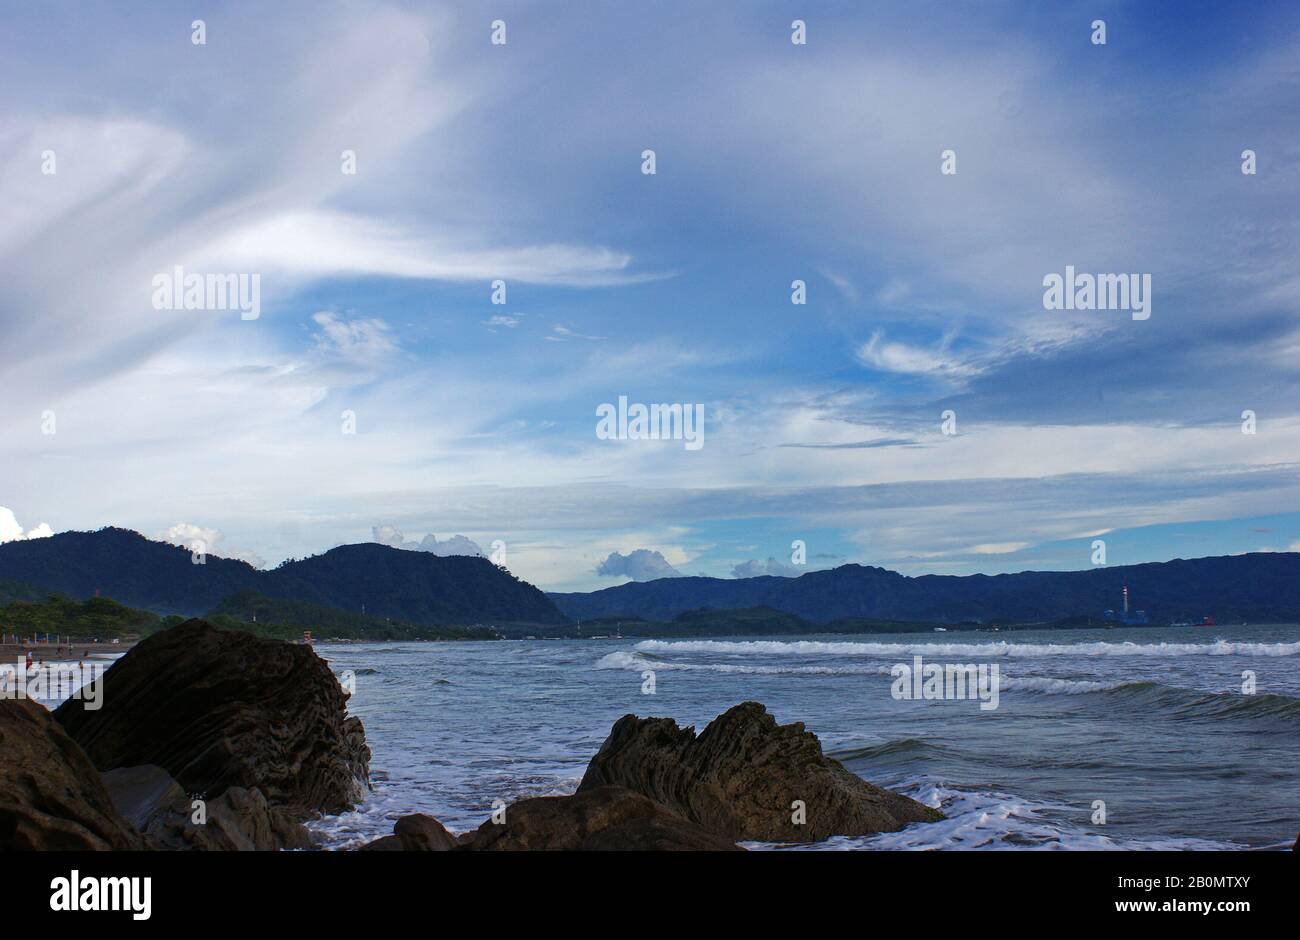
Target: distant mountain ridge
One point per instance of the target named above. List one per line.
(425, 589)
(416, 587)
(1263, 586)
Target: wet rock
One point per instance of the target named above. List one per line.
(598, 819)
(219, 709)
(741, 778)
(420, 833)
(243, 820)
(238, 820)
(414, 833)
(383, 844)
(142, 794)
(51, 797)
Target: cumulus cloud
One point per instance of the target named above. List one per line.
(187, 533)
(205, 539)
(755, 569)
(456, 545)
(643, 564)
(11, 531)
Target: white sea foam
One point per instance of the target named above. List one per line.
(1050, 686)
(966, 650)
(636, 663)
(991, 821)
(1044, 684)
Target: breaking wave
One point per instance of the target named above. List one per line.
(998, 648)
(990, 820)
(637, 662)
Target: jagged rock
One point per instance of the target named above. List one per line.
(238, 820)
(51, 797)
(244, 821)
(220, 709)
(741, 777)
(414, 833)
(598, 819)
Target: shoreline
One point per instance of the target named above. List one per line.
(61, 652)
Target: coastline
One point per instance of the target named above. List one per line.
(430, 763)
(61, 652)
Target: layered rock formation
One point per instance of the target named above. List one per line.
(51, 797)
(597, 819)
(745, 777)
(220, 709)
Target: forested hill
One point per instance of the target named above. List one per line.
(1257, 587)
(415, 587)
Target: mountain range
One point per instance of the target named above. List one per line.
(1263, 586)
(421, 588)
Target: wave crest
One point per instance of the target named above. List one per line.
(997, 648)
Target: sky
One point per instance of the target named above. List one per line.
(380, 394)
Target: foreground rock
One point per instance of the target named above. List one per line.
(415, 833)
(742, 776)
(600, 819)
(51, 797)
(238, 820)
(220, 710)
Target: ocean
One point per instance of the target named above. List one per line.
(1148, 725)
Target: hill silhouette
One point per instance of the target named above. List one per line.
(1256, 587)
(414, 587)
(425, 589)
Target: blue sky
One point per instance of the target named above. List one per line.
(775, 162)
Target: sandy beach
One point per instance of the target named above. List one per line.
(44, 652)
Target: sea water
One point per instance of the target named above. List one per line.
(1108, 739)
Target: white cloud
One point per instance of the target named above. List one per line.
(456, 545)
(11, 531)
(642, 564)
(206, 540)
(186, 534)
(358, 338)
(888, 356)
(238, 423)
(999, 548)
(329, 243)
(561, 333)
